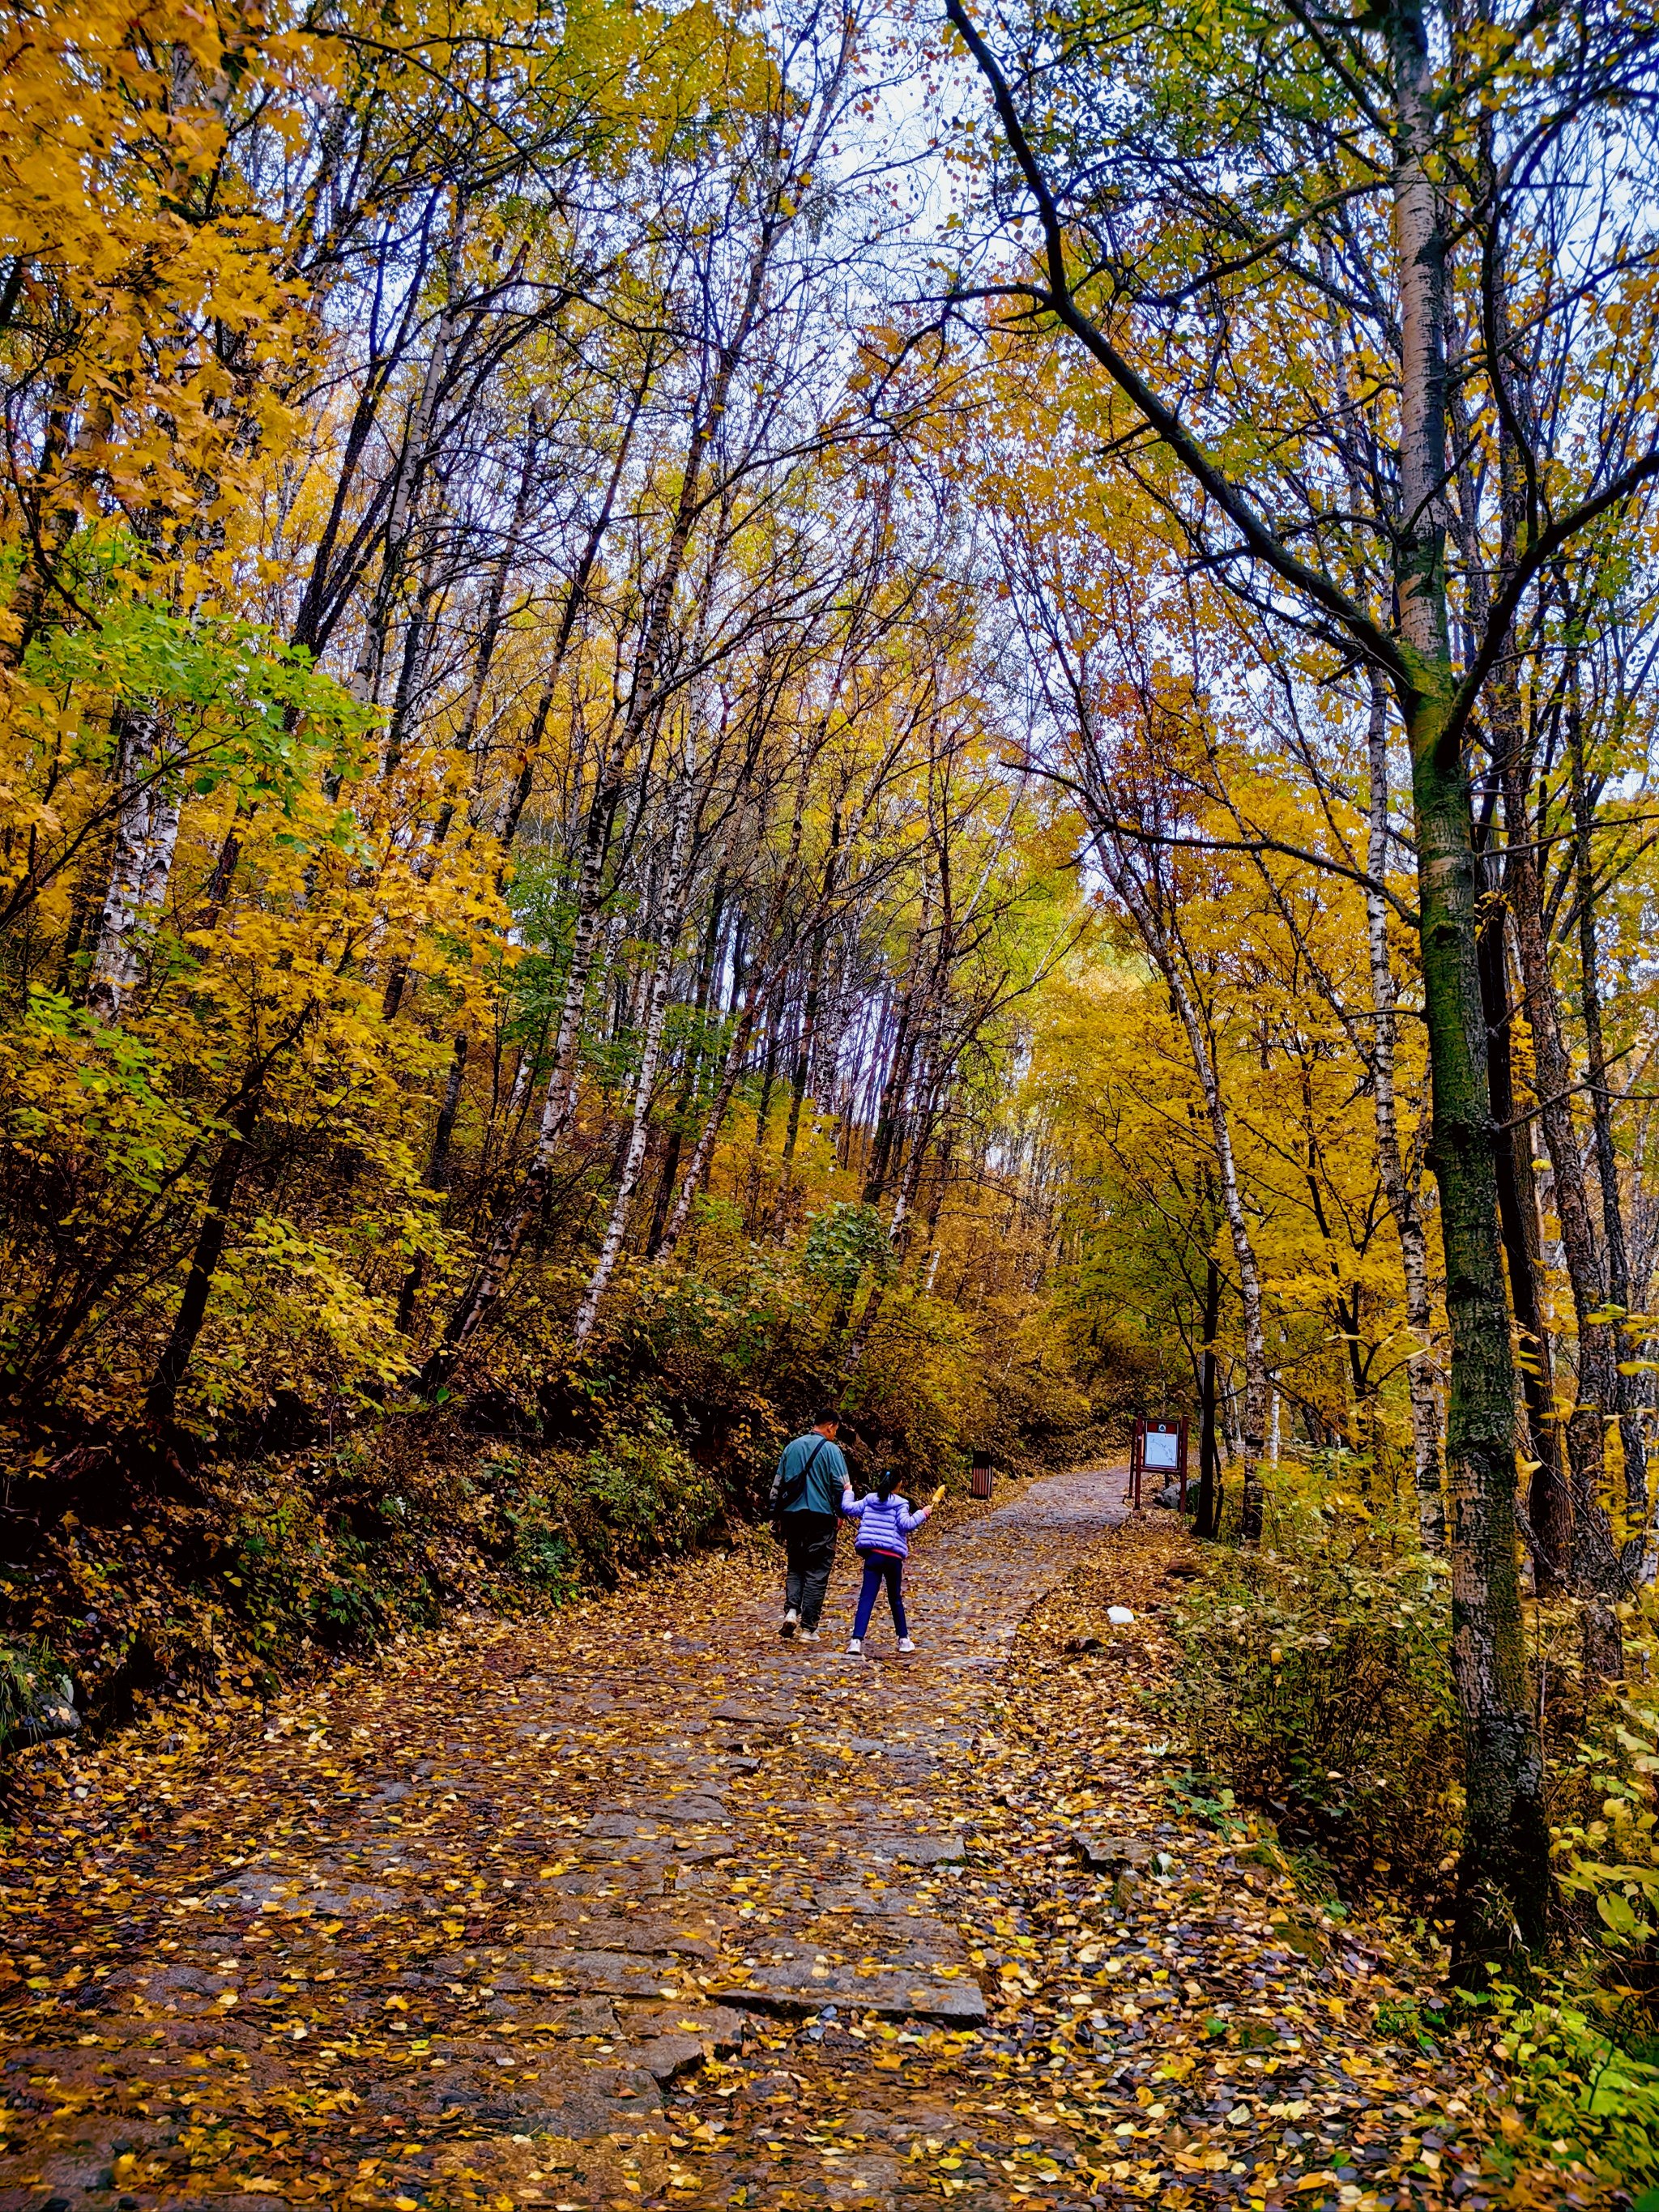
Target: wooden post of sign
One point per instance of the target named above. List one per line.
(1180, 1461)
(1137, 1456)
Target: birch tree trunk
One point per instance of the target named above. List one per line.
(141, 867)
(1207, 1521)
(762, 974)
(899, 1066)
(922, 1135)
(501, 1248)
(709, 1135)
(662, 969)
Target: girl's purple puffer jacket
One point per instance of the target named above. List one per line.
(883, 1526)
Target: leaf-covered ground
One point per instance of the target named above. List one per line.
(641, 1905)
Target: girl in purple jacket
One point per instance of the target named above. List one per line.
(886, 1525)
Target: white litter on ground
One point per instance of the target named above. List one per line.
(1119, 1615)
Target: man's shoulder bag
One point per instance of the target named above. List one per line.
(790, 1499)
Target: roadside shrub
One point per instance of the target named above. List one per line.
(544, 1559)
(329, 1551)
(36, 1697)
(638, 1495)
(1318, 1688)
(1605, 1841)
(348, 1613)
(563, 1519)
(268, 1567)
(1586, 2100)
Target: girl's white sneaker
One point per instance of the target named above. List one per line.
(905, 1645)
(855, 1648)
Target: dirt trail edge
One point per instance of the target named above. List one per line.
(642, 1907)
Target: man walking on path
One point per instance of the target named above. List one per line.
(806, 1508)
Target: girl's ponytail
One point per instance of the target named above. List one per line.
(886, 1483)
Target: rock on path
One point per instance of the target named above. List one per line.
(637, 1905)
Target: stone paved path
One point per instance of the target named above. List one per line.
(451, 1933)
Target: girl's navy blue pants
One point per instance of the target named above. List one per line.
(879, 1568)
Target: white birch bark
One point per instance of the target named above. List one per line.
(141, 867)
(668, 932)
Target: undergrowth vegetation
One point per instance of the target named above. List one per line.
(250, 1573)
(1316, 1693)
(1317, 1683)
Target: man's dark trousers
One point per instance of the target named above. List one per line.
(809, 1541)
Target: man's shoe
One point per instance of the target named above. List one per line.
(905, 1645)
(790, 1623)
(807, 1636)
(855, 1648)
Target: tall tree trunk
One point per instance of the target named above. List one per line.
(762, 1117)
(408, 468)
(736, 1052)
(763, 972)
(490, 629)
(1207, 1521)
(892, 1090)
(1166, 959)
(437, 1171)
(809, 1028)
(694, 1056)
(921, 1132)
(418, 631)
(1398, 1187)
(518, 794)
(1503, 1866)
(1632, 1434)
(501, 1248)
(162, 1397)
(936, 1200)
